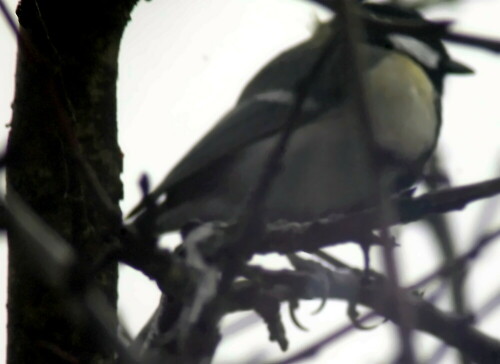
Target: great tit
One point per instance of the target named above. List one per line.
(325, 166)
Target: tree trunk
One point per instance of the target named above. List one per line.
(65, 102)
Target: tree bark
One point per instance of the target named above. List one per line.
(64, 105)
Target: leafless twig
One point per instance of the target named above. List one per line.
(287, 285)
(336, 229)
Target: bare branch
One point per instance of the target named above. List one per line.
(336, 229)
(452, 329)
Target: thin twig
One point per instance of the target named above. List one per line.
(459, 262)
(444, 271)
(436, 178)
(486, 309)
(337, 229)
(489, 44)
(314, 348)
(420, 28)
(258, 196)
(9, 18)
(311, 350)
(251, 223)
(287, 285)
(353, 31)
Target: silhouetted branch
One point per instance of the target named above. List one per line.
(491, 304)
(9, 18)
(488, 44)
(250, 219)
(345, 284)
(419, 28)
(336, 229)
(348, 15)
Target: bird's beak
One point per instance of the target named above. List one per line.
(452, 66)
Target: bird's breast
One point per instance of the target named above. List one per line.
(403, 108)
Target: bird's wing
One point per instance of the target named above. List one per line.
(264, 107)
(260, 113)
(262, 110)
(249, 122)
(284, 71)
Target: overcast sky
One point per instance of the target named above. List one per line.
(182, 65)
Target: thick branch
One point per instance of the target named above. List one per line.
(345, 284)
(65, 86)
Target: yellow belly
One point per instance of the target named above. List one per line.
(402, 106)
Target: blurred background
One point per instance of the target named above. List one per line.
(182, 66)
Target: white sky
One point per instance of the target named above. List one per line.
(182, 66)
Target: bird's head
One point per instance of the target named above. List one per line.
(424, 47)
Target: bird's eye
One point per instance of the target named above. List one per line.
(417, 49)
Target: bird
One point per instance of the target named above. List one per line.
(325, 167)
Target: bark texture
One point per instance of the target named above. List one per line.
(65, 105)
